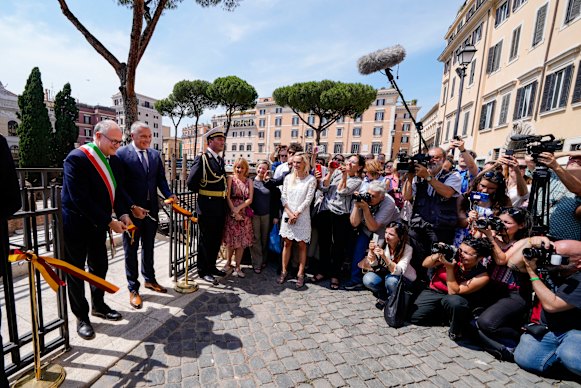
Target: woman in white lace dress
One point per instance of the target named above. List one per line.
(297, 193)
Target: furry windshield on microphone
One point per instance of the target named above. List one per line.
(381, 59)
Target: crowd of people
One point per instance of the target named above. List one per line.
(450, 233)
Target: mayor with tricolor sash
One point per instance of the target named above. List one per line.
(90, 198)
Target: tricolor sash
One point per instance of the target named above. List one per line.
(101, 164)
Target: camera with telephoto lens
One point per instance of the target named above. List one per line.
(542, 254)
(494, 223)
(544, 143)
(407, 163)
(449, 251)
(362, 197)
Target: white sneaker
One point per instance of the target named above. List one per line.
(238, 273)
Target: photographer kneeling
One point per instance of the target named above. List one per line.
(558, 338)
(371, 213)
(456, 287)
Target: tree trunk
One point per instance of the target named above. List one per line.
(196, 137)
(129, 104)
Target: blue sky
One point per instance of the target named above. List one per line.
(268, 43)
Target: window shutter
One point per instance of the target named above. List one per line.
(492, 113)
(515, 41)
(532, 101)
(490, 59)
(497, 17)
(540, 25)
(573, 10)
(517, 104)
(504, 109)
(497, 53)
(482, 117)
(577, 88)
(546, 91)
(566, 86)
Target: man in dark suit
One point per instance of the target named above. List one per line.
(90, 194)
(9, 204)
(208, 179)
(143, 174)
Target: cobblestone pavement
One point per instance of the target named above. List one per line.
(253, 332)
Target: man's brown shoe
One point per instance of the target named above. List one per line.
(135, 300)
(155, 287)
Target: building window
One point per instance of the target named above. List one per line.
(377, 131)
(262, 112)
(323, 148)
(338, 148)
(248, 147)
(278, 121)
(517, 4)
(309, 132)
(357, 131)
(405, 139)
(540, 25)
(453, 87)
(465, 125)
(339, 132)
(487, 115)
(503, 117)
(261, 123)
(502, 13)
(494, 58)
(556, 89)
(446, 66)
(340, 120)
(573, 10)
(261, 148)
(378, 116)
(294, 133)
(380, 102)
(233, 147)
(358, 118)
(577, 89)
(278, 110)
(445, 94)
(261, 134)
(477, 34)
(249, 133)
(375, 148)
(277, 134)
(12, 128)
(324, 133)
(525, 97)
(355, 148)
(88, 132)
(448, 130)
(234, 134)
(86, 119)
(295, 120)
(514, 43)
(405, 127)
(311, 120)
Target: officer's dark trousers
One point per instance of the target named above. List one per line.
(211, 228)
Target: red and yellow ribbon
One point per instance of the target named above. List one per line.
(178, 209)
(131, 231)
(43, 265)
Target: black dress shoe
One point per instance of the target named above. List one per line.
(210, 279)
(217, 272)
(107, 313)
(85, 330)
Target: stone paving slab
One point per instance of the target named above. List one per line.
(253, 332)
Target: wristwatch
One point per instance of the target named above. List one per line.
(429, 178)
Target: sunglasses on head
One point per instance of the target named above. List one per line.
(395, 224)
(338, 159)
(493, 176)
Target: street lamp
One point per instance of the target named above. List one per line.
(464, 58)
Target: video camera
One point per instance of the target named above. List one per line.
(494, 223)
(407, 163)
(362, 197)
(544, 256)
(535, 145)
(449, 251)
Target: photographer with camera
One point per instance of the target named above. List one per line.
(557, 338)
(332, 218)
(456, 288)
(435, 191)
(371, 213)
(467, 167)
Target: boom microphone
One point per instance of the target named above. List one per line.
(381, 59)
(522, 137)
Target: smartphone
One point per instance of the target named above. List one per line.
(334, 164)
(319, 168)
(509, 153)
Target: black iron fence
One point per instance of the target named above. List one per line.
(41, 223)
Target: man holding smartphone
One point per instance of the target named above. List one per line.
(467, 167)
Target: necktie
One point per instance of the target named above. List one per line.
(221, 161)
(144, 161)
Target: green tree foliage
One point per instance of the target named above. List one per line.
(66, 132)
(146, 15)
(233, 94)
(326, 100)
(35, 129)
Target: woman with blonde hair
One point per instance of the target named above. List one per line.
(298, 191)
(238, 232)
(373, 171)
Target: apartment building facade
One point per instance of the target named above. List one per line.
(89, 116)
(524, 77)
(8, 119)
(146, 113)
(254, 134)
(402, 133)
(190, 149)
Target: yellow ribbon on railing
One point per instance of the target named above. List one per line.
(178, 209)
(43, 265)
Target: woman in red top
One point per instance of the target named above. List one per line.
(456, 287)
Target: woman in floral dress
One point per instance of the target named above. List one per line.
(298, 191)
(238, 232)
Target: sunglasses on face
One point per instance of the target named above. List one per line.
(493, 176)
(338, 159)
